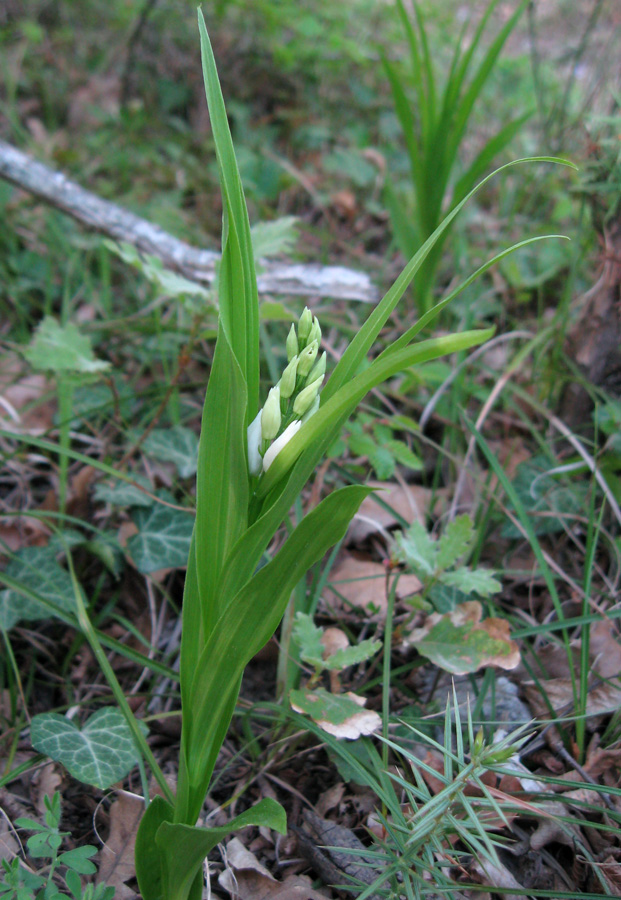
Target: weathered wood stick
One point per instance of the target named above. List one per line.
(56, 189)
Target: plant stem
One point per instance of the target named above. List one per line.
(65, 408)
(98, 651)
(392, 593)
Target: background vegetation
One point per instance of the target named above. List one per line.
(501, 468)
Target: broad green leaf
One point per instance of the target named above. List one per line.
(100, 753)
(256, 611)
(308, 637)
(352, 656)
(542, 495)
(178, 445)
(121, 493)
(472, 581)
(62, 348)
(274, 238)
(170, 283)
(163, 539)
(417, 550)
(342, 715)
(183, 847)
(147, 854)
(37, 569)
(460, 643)
(222, 491)
(454, 542)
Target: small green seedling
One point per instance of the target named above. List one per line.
(64, 869)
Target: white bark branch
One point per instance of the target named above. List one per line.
(119, 224)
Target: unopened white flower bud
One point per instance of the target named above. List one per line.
(307, 359)
(287, 379)
(304, 325)
(270, 415)
(273, 451)
(292, 344)
(306, 397)
(315, 332)
(318, 370)
(312, 409)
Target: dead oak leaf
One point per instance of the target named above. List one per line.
(461, 641)
(117, 856)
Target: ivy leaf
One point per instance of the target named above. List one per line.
(472, 581)
(121, 493)
(163, 539)
(178, 445)
(455, 541)
(308, 637)
(338, 714)
(61, 348)
(38, 570)
(101, 753)
(460, 643)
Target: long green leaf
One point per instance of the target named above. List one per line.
(239, 305)
(365, 338)
(246, 625)
(340, 406)
(222, 476)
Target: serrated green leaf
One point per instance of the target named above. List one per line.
(455, 541)
(383, 462)
(37, 569)
(404, 455)
(121, 493)
(308, 637)
(163, 539)
(352, 656)
(101, 753)
(178, 445)
(472, 581)
(416, 549)
(460, 643)
(59, 348)
(274, 238)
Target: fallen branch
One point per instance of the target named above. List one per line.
(196, 264)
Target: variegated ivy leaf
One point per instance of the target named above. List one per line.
(163, 539)
(178, 445)
(101, 753)
(41, 575)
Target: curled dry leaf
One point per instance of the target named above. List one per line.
(461, 641)
(410, 502)
(245, 878)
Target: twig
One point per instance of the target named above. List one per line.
(336, 282)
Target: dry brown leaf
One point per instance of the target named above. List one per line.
(461, 641)
(603, 698)
(117, 856)
(605, 649)
(333, 639)
(362, 583)
(245, 878)
(497, 875)
(45, 782)
(9, 847)
(330, 798)
(410, 501)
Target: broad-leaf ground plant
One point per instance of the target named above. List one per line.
(254, 459)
